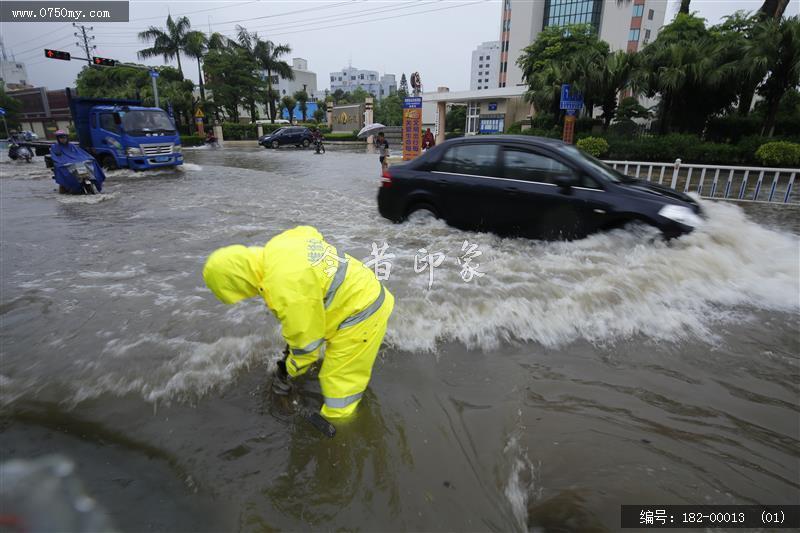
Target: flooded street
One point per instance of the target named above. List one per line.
(569, 379)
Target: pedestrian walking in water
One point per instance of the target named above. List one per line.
(322, 298)
(383, 150)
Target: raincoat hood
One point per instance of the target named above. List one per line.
(234, 273)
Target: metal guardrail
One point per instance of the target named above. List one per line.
(754, 184)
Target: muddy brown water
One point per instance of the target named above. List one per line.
(569, 379)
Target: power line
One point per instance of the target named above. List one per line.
(86, 38)
(49, 41)
(274, 15)
(318, 20)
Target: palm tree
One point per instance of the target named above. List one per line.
(773, 9)
(302, 101)
(196, 47)
(288, 104)
(268, 55)
(775, 48)
(684, 7)
(169, 42)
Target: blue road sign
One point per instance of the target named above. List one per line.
(153, 74)
(569, 99)
(2, 112)
(412, 102)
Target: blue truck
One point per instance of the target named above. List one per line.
(124, 134)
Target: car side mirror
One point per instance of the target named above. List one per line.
(564, 182)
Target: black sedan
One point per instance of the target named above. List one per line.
(531, 187)
(295, 135)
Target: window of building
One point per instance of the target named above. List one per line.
(564, 12)
(333, 78)
(650, 14)
(646, 35)
(638, 10)
(633, 35)
(480, 58)
(352, 77)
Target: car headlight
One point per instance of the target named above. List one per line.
(176, 149)
(133, 151)
(682, 215)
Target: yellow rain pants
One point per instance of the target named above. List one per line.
(322, 298)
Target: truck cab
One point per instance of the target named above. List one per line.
(124, 134)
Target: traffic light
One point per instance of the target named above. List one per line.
(103, 61)
(56, 54)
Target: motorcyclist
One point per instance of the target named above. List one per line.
(317, 137)
(211, 139)
(64, 152)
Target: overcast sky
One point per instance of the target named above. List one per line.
(434, 37)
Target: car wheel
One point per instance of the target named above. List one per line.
(275, 144)
(306, 143)
(108, 162)
(421, 212)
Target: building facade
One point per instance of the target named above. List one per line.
(623, 24)
(304, 80)
(348, 79)
(485, 66)
(42, 111)
(13, 75)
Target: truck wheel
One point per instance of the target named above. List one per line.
(275, 144)
(306, 142)
(108, 162)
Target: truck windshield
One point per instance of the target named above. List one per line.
(141, 122)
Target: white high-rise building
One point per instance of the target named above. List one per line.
(304, 79)
(623, 24)
(484, 72)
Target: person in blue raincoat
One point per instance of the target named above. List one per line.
(65, 153)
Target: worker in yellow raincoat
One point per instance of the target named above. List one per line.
(322, 297)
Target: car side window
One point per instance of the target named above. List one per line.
(107, 123)
(589, 182)
(471, 158)
(525, 165)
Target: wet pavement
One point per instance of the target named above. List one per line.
(571, 378)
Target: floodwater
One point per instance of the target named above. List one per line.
(569, 379)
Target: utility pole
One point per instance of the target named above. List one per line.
(85, 38)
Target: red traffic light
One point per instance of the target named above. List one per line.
(56, 54)
(103, 61)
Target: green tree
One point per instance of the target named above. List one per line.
(359, 95)
(339, 96)
(12, 107)
(302, 102)
(456, 118)
(403, 85)
(319, 114)
(232, 77)
(775, 47)
(683, 66)
(561, 55)
(168, 42)
(196, 47)
(773, 9)
(268, 55)
(389, 111)
(684, 7)
(288, 103)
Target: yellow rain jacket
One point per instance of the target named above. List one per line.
(319, 294)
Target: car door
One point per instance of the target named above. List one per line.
(538, 207)
(465, 183)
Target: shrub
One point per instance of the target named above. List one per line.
(341, 136)
(192, 140)
(595, 146)
(232, 131)
(779, 154)
(731, 128)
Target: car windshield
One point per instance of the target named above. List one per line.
(603, 169)
(138, 122)
(281, 130)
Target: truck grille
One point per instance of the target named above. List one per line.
(156, 149)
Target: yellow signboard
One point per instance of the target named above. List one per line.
(412, 127)
(198, 113)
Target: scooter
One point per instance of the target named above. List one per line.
(318, 146)
(77, 177)
(15, 151)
